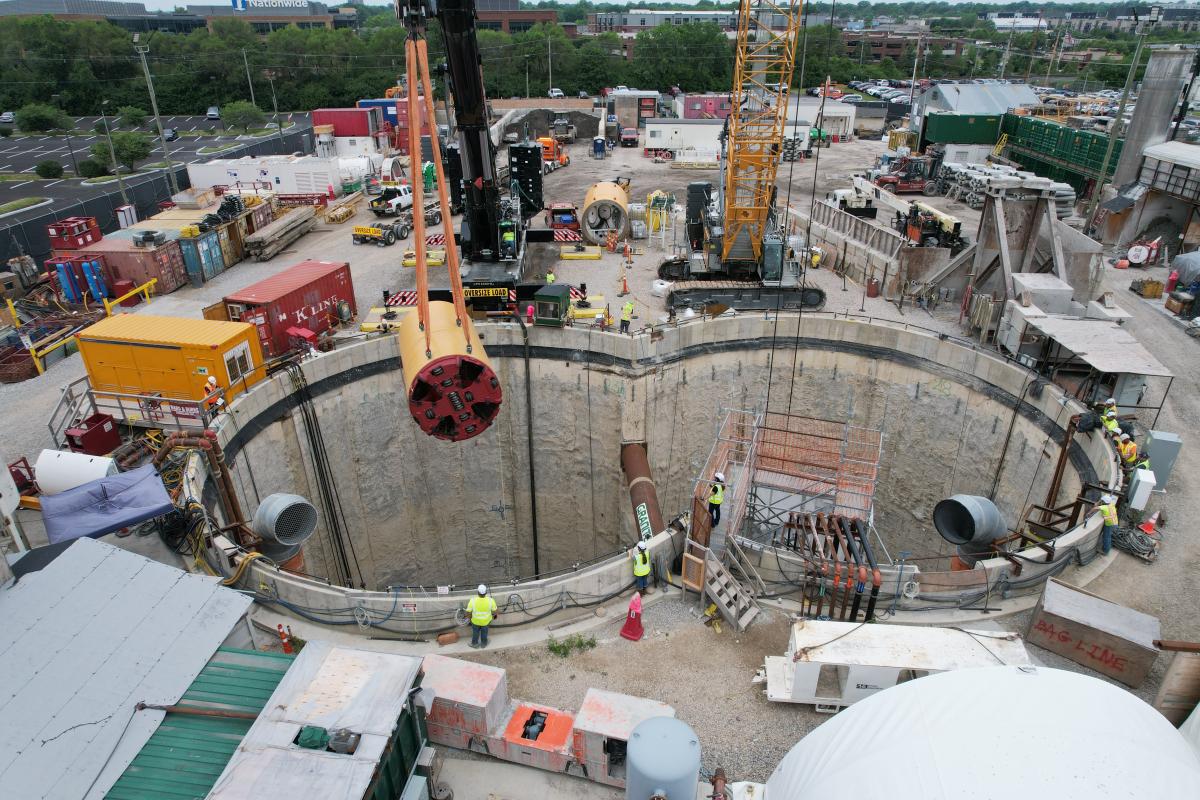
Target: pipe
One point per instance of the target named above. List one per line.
(642, 494)
(968, 519)
(1060, 467)
(861, 584)
(529, 441)
(864, 538)
(207, 441)
(199, 712)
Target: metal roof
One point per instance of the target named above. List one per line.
(286, 282)
(978, 98)
(84, 640)
(186, 755)
(331, 687)
(1102, 344)
(177, 331)
(1181, 153)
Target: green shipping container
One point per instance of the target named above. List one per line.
(944, 128)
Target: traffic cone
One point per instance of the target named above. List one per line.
(632, 629)
(285, 639)
(624, 286)
(1149, 525)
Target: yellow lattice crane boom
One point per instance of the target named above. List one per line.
(765, 60)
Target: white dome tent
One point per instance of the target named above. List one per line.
(995, 732)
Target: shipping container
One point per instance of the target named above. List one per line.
(363, 121)
(395, 111)
(312, 294)
(124, 260)
(260, 217)
(706, 106)
(202, 257)
(947, 128)
(172, 357)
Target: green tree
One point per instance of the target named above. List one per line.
(39, 118)
(93, 168)
(48, 169)
(244, 115)
(132, 116)
(696, 57)
(130, 148)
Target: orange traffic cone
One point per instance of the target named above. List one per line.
(285, 638)
(632, 629)
(1149, 525)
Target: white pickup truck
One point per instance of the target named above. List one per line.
(393, 201)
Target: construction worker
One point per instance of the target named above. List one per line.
(626, 316)
(641, 566)
(1111, 426)
(815, 258)
(1110, 405)
(508, 244)
(1142, 462)
(716, 496)
(1108, 509)
(550, 276)
(1128, 449)
(482, 609)
(214, 402)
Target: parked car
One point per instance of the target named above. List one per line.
(214, 112)
(8, 118)
(556, 94)
(170, 134)
(852, 98)
(583, 95)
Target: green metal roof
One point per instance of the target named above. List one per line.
(186, 755)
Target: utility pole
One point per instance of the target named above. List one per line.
(142, 49)
(912, 89)
(1117, 122)
(549, 62)
(270, 76)
(526, 77)
(1053, 55)
(57, 100)
(112, 152)
(250, 82)
(1004, 59)
(1033, 49)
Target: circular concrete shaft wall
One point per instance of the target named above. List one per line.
(421, 512)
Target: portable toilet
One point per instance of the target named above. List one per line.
(599, 148)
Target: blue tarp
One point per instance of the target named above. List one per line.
(105, 505)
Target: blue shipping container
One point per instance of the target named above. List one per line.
(388, 105)
(202, 257)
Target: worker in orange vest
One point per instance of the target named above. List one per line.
(213, 401)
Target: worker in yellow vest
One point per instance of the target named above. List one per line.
(1128, 449)
(1111, 426)
(482, 609)
(1108, 510)
(716, 496)
(641, 566)
(626, 316)
(1110, 405)
(550, 277)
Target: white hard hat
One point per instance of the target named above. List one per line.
(212, 380)
(1108, 498)
(1112, 401)
(1124, 437)
(482, 588)
(641, 545)
(1111, 414)
(720, 476)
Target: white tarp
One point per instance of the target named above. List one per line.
(995, 732)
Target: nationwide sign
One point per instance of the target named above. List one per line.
(242, 5)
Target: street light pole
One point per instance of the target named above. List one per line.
(549, 62)
(246, 61)
(270, 76)
(70, 148)
(142, 49)
(526, 77)
(112, 153)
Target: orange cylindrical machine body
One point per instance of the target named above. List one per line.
(452, 394)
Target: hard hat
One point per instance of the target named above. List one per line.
(719, 476)
(641, 545)
(1111, 414)
(1108, 498)
(1112, 401)
(212, 380)
(1124, 437)
(482, 589)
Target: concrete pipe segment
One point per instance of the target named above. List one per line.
(605, 209)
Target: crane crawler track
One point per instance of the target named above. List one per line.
(744, 296)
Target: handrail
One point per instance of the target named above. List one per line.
(146, 289)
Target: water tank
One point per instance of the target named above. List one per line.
(663, 761)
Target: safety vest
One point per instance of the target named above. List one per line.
(1109, 512)
(1111, 425)
(1129, 454)
(1142, 463)
(627, 312)
(641, 564)
(549, 277)
(718, 494)
(481, 609)
(509, 237)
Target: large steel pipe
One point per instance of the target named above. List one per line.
(642, 494)
(605, 210)
(453, 392)
(967, 519)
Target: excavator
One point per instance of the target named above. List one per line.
(739, 255)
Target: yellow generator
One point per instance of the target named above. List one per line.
(170, 357)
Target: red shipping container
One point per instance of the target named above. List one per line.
(123, 260)
(346, 121)
(306, 295)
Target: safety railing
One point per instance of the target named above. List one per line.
(79, 401)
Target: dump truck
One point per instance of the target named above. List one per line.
(564, 131)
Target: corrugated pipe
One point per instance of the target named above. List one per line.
(207, 441)
(641, 486)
